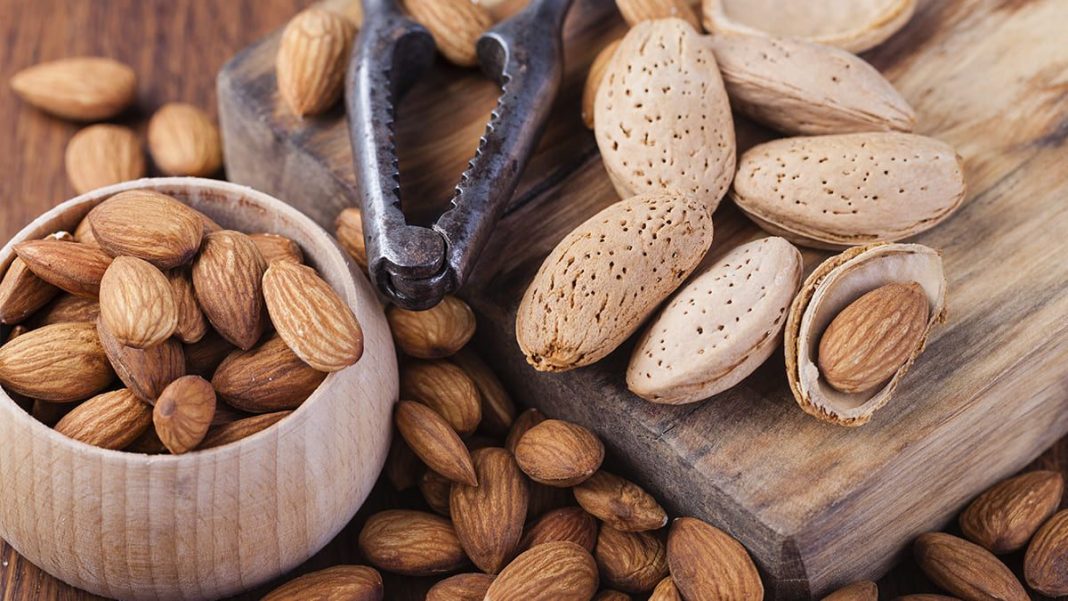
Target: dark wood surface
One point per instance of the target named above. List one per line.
(177, 48)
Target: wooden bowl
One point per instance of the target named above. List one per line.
(211, 523)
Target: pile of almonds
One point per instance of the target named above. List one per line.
(213, 334)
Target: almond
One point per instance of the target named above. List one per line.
(48, 413)
(873, 337)
(71, 266)
(184, 412)
(148, 225)
(184, 140)
(436, 489)
(605, 277)
(706, 563)
(68, 308)
(446, 389)
(277, 248)
(965, 569)
(435, 333)
(432, 439)
(147, 444)
(849, 189)
(145, 372)
(610, 595)
(620, 503)
(863, 590)
(311, 60)
(268, 377)
(456, 26)
(558, 453)
(461, 587)
(349, 229)
(594, 79)
(559, 571)
(312, 319)
(634, 562)
(661, 116)
(1006, 516)
(111, 420)
(411, 543)
(78, 89)
(192, 325)
(346, 582)
(571, 524)
(522, 424)
(799, 87)
(227, 278)
(544, 499)
(84, 233)
(1046, 561)
(489, 517)
(137, 303)
(666, 591)
(61, 363)
(636, 11)
(101, 155)
(22, 293)
(498, 410)
(243, 428)
(402, 467)
(203, 357)
(925, 597)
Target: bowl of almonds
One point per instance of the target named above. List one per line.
(186, 364)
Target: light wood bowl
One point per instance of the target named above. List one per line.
(210, 523)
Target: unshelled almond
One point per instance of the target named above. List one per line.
(489, 518)
(203, 357)
(71, 266)
(965, 569)
(111, 420)
(522, 424)
(620, 503)
(559, 571)
(707, 564)
(61, 363)
(22, 293)
(268, 377)
(435, 489)
(498, 410)
(183, 413)
(402, 467)
(666, 591)
(184, 140)
(147, 225)
(411, 543)
(192, 325)
(338, 583)
(455, 24)
(634, 562)
(435, 442)
(228, 281)
(101, 155)
(137, 303)
(48, 413)
(311, 60)
(67, 308)
(445, 388)
(146, 372)
(558, 453)
(1006, 516)
(349, 230)
(571, 524)
(274, 247)
(313, 320)
(1046, 561)
(79, 89)
(871, 339)
(435, 333)
(461, 587)
(862, 590)
(593, 80)
(243, 428)
(636, 11)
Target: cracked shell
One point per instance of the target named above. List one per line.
(835, 284)
(719, 327)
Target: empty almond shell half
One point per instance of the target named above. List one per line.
(833, 286)
(719, 327)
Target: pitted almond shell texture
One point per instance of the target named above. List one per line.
(607, 276)
(661, 116)
(718, 328)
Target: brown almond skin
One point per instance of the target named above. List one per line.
(571, 524)
(338, 583)
(522, 424)
(666, 591)
(432, 439)
(22, 293)
(461, 587)
(277, 248)
(101, 155)
(402, 467)
(60, 363)
(489, 518)
(111, 420)
(71, 266)
(544, 499)
(445, 388)
(49, 414)
(926, 597)
(707, 564)
(349, 230)
(266, 378)
(1006, 516)
(227, 279)
(85, 88)
(435, 489)
(312, 319)
(137, 303)
(145, 372)
(67, 308)
(965, 569)
(184, 140)
(147, 225)
(183, 413)
(311, 59)
(862, 590)
(611, 596)
(873, 337)
(559, 571)
(192, 325)
(436, 333)
(498, 410)
(631, 561)
(456, 26)
(620, 503)
(1046, 560)
(202, 358)
(243, 428)
(411, 543)
(558, 453)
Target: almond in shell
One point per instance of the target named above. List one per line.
(558, 571)
(146, 372)
(1046, 561)
(620, 503)
(147, 225)
(79, 89)
(634, 562)
(183, 413)
(184, 140)
(707, 564)
(111, 420)
(558, 453)
(101, 155)
(432, 439)
(60, 363)
(137, 303)
(268, 377)
(965, 569)
(71, 266)
(337, 583)
(311, 60)
(228, 281)
(411, 543)
(489, 517)
(446, 389)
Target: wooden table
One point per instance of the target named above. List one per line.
(177, 48)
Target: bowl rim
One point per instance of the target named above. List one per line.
(261, 199)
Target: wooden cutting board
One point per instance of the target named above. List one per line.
(818, 505)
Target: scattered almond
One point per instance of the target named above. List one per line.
(1006, 516)
(594, 79)
(636, 11)
(571, 524)
(489, 517)
(435, 333)
(498, 410)
(666, 591)
(146, 372)
(61, 363)
(446, 389)
(147, 225)
(48, 413)
(22, 293)
(111, 420)
(634, 562)
(462, 587)
(1046, 561)
(411, 543)
(227, 279)
(436, 489)
(192, 325)
(311, 60)
(137, 303)
(863, 590)
(620, 503)
(455, 24)
(203, 357)
(558, 571)
(277, 248)
(349, 229)
(78, 89)
(71, 266)
(522, 424)
(432, 439)
(265, 378)
(707, 564)
(558, 453)
(184, 412)
(243, 428)
(965, 569)
(84, 233)
(338, 583)
(610, 595)
(184, 140)
(101, 155)
(68, 308)
(402, 467)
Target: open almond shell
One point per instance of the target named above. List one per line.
(835, 284)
